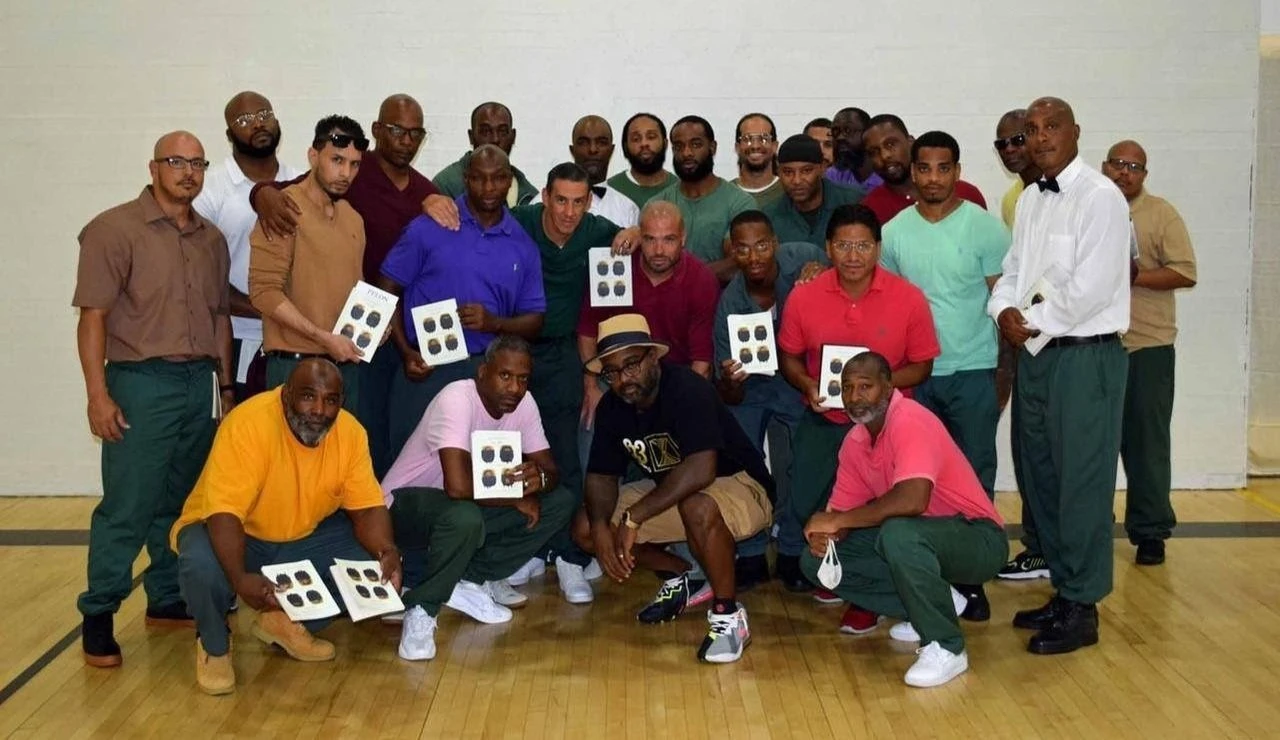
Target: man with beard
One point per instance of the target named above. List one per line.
(154, 340)
(254, 134)
(592, 148)
(1064, 298)
(810, 199)
(300, 281)
(888, 147)
(707, 202)
(851, 165)
(757, 144)
(490, 124)
(906, 516)
(288, 479)
(1011, 145)
(644, 144)
(820, 130)
(457, 547)
(705, 482)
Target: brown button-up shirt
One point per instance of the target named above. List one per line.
(162, 287)
(1162, 242)
(315, 269)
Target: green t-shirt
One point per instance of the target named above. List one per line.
(793, 226)
(706, 219)
(564, 269)
(639, 194)
(449, 181)
(950, 261)
(767, 196)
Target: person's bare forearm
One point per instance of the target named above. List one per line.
(600, 493)
(1162, 278)
(91, 344)
(527, 325)
(372, 528)
(794, 371)
(289, 315)
(908, 498)
(242, 306)
(695, 473)
(913, 374)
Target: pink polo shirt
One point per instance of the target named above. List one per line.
(913, 444)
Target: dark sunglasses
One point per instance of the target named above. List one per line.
(341, 141)
(1016, 140)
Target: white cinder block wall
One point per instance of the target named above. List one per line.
(87, 88)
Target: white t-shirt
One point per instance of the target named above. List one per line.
(615, 206)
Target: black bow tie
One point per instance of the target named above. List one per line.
(1048, 183)
(599, 190)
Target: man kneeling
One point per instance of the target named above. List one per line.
(908, 516)
(457, 548)
(708, 483)
(281, 466)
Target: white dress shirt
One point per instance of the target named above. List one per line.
(613, 205)
(1077, 240)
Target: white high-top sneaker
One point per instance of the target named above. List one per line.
(573, 583)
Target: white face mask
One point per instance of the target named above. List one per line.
(830, 572)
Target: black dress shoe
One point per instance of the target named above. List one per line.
(1037, 619)
(1150, 552)
(976, 608)
(788, 569)
(750, 572)
(1075, 626)
(98, 641)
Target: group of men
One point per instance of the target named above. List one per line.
(644, 439)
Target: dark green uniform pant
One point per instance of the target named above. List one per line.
(966, 404)
(1145, 444)
(813, 471)
(147, 476)
(410, 398)
(374, 410)
(446, 540)
(280, 368)
(556, 387)
(1030, 537)
(1071, 400)
(903, 567)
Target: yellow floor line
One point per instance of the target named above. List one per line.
(1254, 498)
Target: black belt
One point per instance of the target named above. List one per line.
(1079, 341)
(299, 356)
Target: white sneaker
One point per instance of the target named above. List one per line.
(395, 617)
(532, 569)
(418, 635)
(474, 600)
(501, 592)
(573, 584)
(593, 571)
(935, 666)
(906, 632)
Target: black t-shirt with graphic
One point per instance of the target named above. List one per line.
(687, 417)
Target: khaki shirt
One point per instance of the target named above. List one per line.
(1162, 242)
(315, 269)
(163, 288)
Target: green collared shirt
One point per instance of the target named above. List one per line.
(451, 182)
(564, 269)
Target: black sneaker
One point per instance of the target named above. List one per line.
(1150, 552)
(98, 640)
(1074, 626)
(750, 572)
(1025, 567)
(170, 615)
(788, 570)
(670, 602)
(976, 608)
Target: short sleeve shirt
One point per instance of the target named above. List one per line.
(564, 269)
(1163, 241)
(706, 219)
(886, 203)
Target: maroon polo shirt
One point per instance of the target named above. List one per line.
(886, 203)
(681, 310)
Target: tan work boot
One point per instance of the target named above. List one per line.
(275, 628)
(214, 673)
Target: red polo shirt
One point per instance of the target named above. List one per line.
(681, 310)
(886, 203)
(892, 319)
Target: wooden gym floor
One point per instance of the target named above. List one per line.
(1190, 649)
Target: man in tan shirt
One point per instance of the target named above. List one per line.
(300, 281)
(1166, 263)
(154, 340)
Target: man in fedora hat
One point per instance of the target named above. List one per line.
(706, 482)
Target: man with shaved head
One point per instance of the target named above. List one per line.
(591, 146)
(1063, 298)
(288, 479)
(490, 124)
(1166, 262)
(154, 340)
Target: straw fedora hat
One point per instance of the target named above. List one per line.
(623, 332)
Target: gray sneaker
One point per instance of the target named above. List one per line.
(727, 637)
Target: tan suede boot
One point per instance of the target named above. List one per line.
(275, 628)
(214, 673)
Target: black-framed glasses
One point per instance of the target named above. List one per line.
(181, 163)
(1016, 140)
(629, 369)
(341, 141)
(1124, 164)
(245, 120)
(415, 135)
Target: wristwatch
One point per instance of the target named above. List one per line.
(628, 522)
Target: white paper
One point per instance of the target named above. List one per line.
(834, 356)
(360, 585)
(751, 342)
(215, 407)
(366, 317)
(1040, 292)
(302, 595)
(248, 350)
(492, 454)
(440, 339)
(608, 277)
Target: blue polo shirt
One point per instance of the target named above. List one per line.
(498, 267)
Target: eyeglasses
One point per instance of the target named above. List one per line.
(756, 139)
(397, 132)
(1124, 164)
(630, 369)
(1016, 140)
(181, 163)
(859, 247)
(341, 141)
(245, 120)
(742, 250)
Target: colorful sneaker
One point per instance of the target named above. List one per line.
(532, 569)
(936, 666)
(418, 636)
(823, 596)
(728, 635)
(858, 621)
(1025, 567)
(701, 593)
(671, 601)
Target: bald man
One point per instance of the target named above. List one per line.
(155, 348)
(591, 146)
(491, 123)
(1063, 299)
(1166, 262)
